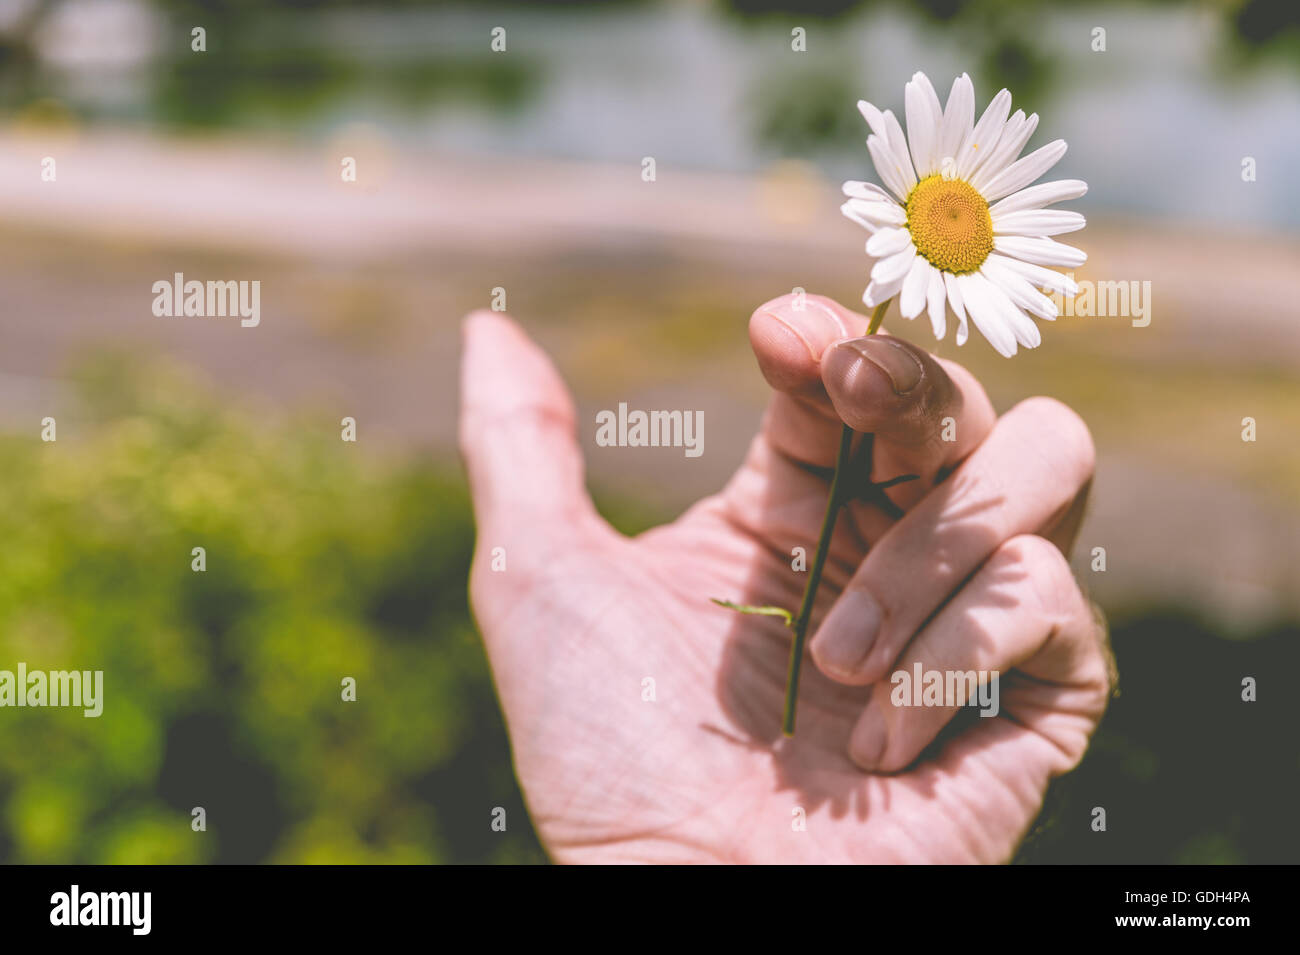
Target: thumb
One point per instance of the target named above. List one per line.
(517, 438)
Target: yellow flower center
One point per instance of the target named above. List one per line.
(950, 224)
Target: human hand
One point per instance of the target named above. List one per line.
(960, 570)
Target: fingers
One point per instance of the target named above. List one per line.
(811, 351)
(517, 435)
(926, 415)
(1021, 611)
(1022, 479)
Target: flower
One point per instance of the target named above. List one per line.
(959, 224)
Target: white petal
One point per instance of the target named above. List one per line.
(1010, 143)
(1039, 251)
(1021, 325)
(888, 166)
(890, 270)
(958, 307)
(878, 213)
(1038, 276)
(877, 292)
(936, 302)
(977, 293)
(866, 190)
(992, 162)
(886, 242)
(875, 119)
(1024, 171)
(851, 212)
(1037, 222)
(1019, 289)
(958, 118)
(912, 299)
(924, 123)
(898, 143)
(984, 137)
(1043, 194)
(885, 125)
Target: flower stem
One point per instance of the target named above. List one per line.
(833, 503)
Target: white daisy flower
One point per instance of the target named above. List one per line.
(958, 224)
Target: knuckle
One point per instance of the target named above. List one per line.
(1045, 570)
(1056, 425)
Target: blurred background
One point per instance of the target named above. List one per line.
(521, 170)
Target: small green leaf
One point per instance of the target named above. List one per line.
(781, 612)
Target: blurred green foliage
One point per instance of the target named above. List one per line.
(271, 74)
(222, 688)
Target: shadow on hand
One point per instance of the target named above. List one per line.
(814, 763)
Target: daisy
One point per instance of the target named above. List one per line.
(958, 224)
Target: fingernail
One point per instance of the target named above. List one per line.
(845, 637)
(892, 357)
(867, 744)
(809, 320)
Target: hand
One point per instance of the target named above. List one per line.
(959, 570)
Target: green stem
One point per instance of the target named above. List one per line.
(877, 317)
(833, 503)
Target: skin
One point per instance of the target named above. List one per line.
(962, 569)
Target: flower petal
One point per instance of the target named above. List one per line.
(875, 119)
(875, 214)
(1019, 289)
(936, 302)
(877, 292)
(977, 294)
(1039, 251)
(1021, 325)
(1038, 276)
(1024, 171)
(888, 166)
(984, 169)
(1041, 222)
(886, 242)
(893, 269)
(898, 143)
(912, 299)
(1036, 197)
(958, 119)
(958, 307)
(866, 190)
(1010, 143)
(850, 211)
(885, 125)
(984, 137)
(924, 123)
